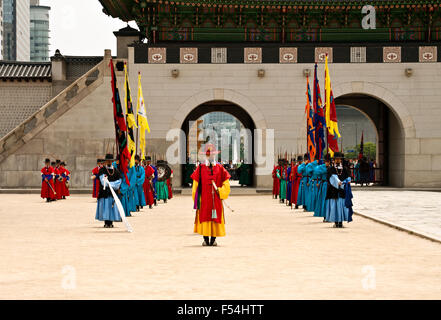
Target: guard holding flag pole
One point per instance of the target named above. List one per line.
(211, 185)
(106, 209)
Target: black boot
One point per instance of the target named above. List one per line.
(48, 200)
(165, 200)
(213, 242)
(156, 203)
(296, 206)
(206, 241)
(150, 207)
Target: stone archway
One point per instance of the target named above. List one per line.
(384, 95)
(228, 95)
(390, 135)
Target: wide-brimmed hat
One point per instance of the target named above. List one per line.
(339, 155)
(208, 150)
(109, 157)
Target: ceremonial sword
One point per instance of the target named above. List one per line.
(223, 200)
(118, 205)
(50, 186)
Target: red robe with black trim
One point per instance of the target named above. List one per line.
(64, 189)
(295, 190)
(96, 182)
(46, 191)
(169, 186)
(58, 184)
(276, 182)
(148, 187)
(218, 174)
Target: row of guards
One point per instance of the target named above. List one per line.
(319, 182)
(55, 179)
(128, 182)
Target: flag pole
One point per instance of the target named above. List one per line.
(136, 118)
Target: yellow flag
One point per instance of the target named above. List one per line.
(330, 124)
(142, 118)
(130, 118)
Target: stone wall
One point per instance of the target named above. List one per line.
(19, 100)
(276, 101)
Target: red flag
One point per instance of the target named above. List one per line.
(310, 130)
(332, 139)
(319, 120)
(360, 155)
(120, 127)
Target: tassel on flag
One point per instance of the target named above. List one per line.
(120, 126)
(130, 118)
(142, 118)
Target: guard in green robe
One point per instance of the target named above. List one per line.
(161, 184)
(282, 175)
(245, 175)
(189, 169)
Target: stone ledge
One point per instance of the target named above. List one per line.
(400, 227)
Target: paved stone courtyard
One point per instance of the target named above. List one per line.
(419, 212)
(58, 251)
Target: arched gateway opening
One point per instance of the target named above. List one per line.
(217, 122)
(389, 144)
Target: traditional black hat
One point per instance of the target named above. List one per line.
(99, 160)
(58, 161)
(137, 157)
(47, 160)
(148, 158)
(306, 156)
(339, 155)
(109, 157)
(299, 158)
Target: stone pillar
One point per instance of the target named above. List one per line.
(125, 37)
(58, 67)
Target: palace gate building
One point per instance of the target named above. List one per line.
(248, 58)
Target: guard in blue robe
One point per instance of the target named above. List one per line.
(321, 173)
(132, 193)
(106, 209)
(124, 196)
(301, 170)
(338, 176)
(140, 178)
(309, 194)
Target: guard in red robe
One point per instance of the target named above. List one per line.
(65, 174)
(276, 181)
(95, 178)
(58, 181)
(297, 177)
(211, 185)
(47, 182)
(149, 191)
(169, 185)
